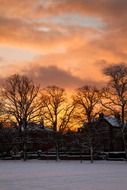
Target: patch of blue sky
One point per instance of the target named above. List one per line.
(74, 20)
(8, 53)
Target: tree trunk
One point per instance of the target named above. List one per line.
(91, 154)
(124, 143)
(24, 151)
(81, 155)
(57, 152)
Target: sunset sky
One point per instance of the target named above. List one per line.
(62, 42)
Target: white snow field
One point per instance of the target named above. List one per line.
(63, 175)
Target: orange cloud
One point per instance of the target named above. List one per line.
(24, 34)
(74, 51)
(108, 9)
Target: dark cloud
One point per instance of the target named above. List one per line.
(52, 75)
(102, 64)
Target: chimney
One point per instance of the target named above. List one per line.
(101, 115)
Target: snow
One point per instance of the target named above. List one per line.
(63, 175)
(113, 121)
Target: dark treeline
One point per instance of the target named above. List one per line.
(24, 104)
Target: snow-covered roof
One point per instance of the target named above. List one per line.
(34, 127)
(48, 129)
(112, 120)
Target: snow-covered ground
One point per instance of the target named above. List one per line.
(63, 175)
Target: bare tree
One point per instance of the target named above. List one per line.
(21, 103)
(20, 95)
(57, 112)
(115, 94)
(87, 100)
(2, 112)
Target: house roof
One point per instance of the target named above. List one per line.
(35, 127)
(112, 121)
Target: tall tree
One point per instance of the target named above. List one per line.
(87, 100)
(20, 95)
(57, 112)
(115, 94)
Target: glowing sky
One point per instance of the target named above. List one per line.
(62, 42)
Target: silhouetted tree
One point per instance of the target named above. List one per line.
(87, 100)
(56, 108)
(115, 94)
(57, 112)
(20, 95)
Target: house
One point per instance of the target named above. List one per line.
(108, 133)
(38, 137)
